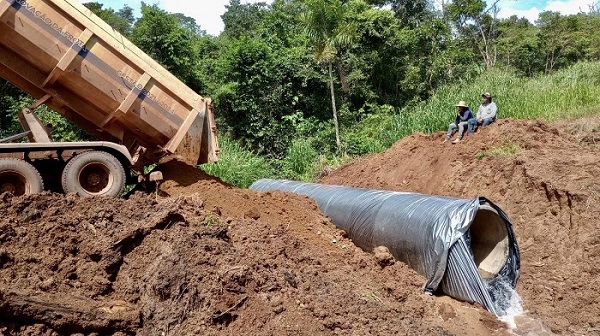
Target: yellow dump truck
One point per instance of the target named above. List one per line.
(67, 58)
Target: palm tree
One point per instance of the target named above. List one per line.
(326, 25)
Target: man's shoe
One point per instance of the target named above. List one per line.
(457, 140)
(445, 140)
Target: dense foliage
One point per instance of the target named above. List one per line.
(284, 76)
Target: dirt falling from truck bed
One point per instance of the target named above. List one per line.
(215, 261)
(546, 177)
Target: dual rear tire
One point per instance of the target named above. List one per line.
(19, 177)
(93, 173)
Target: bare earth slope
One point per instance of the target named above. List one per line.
(204, 259)
(550, 189)
(201, 257)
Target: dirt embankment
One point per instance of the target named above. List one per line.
(546, 177)
(204, 258)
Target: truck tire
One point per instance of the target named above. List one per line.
(19, 177)
(94, 173)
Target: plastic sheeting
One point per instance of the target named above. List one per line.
(432, 234)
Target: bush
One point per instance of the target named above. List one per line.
(365, 137)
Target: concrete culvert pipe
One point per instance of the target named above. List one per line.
(464, 248)
(489, 241)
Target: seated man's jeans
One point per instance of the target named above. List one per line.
(461, 129)
(473, 123)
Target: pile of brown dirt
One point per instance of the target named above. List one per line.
(213, 260)
(201, 257)
(546, 177)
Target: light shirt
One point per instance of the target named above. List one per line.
(487, 111)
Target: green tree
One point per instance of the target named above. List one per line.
(593, 48)
(15, 100)
(121, 20)
(172, 40)
(9, 96)
(518, 45)
(258, 96)
(477, 23)
(326, 25)
(410, 12)
(562, 39)
(243, 19)
(398, 64)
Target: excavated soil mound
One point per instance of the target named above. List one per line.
(207, 260)
(200, 257)
(546, 177)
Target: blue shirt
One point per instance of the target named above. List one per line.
(464, 116)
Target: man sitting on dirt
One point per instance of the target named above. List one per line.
(486, 114)
(463, 115)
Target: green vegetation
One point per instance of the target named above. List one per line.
(241, 167)
(238, 166)
(62, 129)
(507, 149)
(211, 220)
(385, 68)
(328, 27)
(568, 93)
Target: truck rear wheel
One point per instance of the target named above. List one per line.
(94, 173)
(19, 177)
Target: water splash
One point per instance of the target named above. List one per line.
(506, 299)
(509, 308)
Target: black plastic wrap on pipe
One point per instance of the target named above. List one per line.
(466, 248)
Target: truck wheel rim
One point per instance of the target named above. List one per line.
(13, 182)
(95, 178)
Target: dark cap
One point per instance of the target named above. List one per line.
(487, 95)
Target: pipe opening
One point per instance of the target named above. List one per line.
(489, 242)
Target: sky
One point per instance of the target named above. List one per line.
(530, 9)
(207, 13)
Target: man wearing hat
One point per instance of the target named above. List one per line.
(463, 116)
(486, 114)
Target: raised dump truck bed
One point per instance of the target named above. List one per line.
(70, 60)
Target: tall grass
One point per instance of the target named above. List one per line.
(569, 93)
(241, 167)
(299, 162)
(304, 163)
(237, 165)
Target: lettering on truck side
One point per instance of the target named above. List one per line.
(129, 82)
(42, 17)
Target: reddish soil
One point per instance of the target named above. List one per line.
(200, 257)
(550, 188)
(204, 258)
